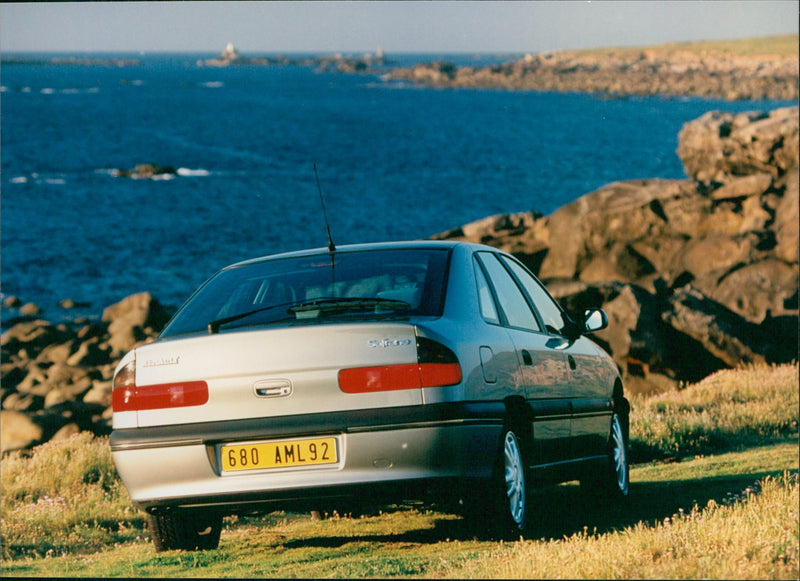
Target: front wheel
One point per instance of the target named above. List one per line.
(185, 530)
(619, 480)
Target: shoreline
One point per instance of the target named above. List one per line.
(745, 69)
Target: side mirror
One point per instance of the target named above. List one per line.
(594, 320)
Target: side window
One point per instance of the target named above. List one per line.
(516, 309)
(551, 313)
(485, 298)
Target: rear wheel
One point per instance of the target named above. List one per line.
(185, 530)
(499, 507)
(613, 481)
(514, 506)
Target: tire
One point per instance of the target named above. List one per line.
(619, 473)
(514, 501)
(498, 508)
(613, 481)
(184, 530)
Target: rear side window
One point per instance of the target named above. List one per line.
(488, 309)
(509, 295)
(320, 288)
(551, 313)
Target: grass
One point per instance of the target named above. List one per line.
(781, 46)
(729, 410)
(721, 507)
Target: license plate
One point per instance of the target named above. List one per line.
(278, 454)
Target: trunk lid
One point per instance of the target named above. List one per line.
(275, 372)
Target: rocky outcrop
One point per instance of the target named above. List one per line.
(56, 379)
(696, 274)
(666, 70)
(146, 171)
(333, 63)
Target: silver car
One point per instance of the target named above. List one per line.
(374, 373)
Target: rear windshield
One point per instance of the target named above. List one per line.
(363, 285)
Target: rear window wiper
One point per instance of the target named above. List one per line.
(333, 304)
(213, 326)
(327, 305)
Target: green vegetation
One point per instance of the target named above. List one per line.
(723, 505)
(729, 410)
(781, 46)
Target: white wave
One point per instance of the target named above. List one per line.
(47, 91)
(19, 180)
(55, 181)
(213, 84)
(186, 172)
(163, 177)
(3, 89)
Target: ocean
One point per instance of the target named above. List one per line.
(395, 162)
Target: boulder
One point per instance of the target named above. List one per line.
(720, 331)
(743, 187)
(786, 221)
(720, 147)
(146, 171)
(33, 336)
(132, 319)
(18, 431)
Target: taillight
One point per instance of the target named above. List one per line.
(436, 366)
(127, 396)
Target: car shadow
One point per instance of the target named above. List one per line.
(562, 511)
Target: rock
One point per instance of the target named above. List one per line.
(18, 431)
(786, 222)
(99, 394)
(23, 402)
(33, 336)
(146, 171)
(71, 304)
(35, 382)
(130, 319)
(139, 309)
(757, 290)
(90, 353)
(12, 302)
(721, 332)
(721, 147)
(30, 309)
(66, 432)
(621, 72)
(743, 187)
(56, 353)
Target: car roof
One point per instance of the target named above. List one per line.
(405, 245)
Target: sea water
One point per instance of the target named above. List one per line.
(395, 162)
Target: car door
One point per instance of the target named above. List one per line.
(543, 368)
(587, 378)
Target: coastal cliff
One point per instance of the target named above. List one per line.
(729, 71)
(696, 275)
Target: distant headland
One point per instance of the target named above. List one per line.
(757, 68)
(762, 68)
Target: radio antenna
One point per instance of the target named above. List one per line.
(331, 246)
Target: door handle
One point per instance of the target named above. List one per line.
(572, 364)
(526, 357)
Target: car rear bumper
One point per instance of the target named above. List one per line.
(378, 451)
